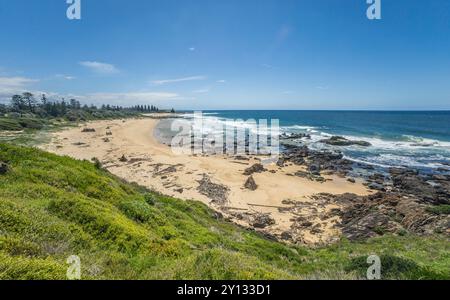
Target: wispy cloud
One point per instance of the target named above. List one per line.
(192, 49)
(322, 88)
(15, 82)
(99, 67)
(221, 81)
(168, 81)
(66, 77)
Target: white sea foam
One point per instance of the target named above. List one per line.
(409, 150)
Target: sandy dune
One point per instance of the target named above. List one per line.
(153, 165)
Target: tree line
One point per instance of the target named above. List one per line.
(26, 103)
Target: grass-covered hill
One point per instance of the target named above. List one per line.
(52, 207)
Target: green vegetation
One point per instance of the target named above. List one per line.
(25, 117)
(52, 207)
(443, 209)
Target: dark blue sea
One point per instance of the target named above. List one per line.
(417, 139)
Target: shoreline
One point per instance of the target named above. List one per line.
(153, 165)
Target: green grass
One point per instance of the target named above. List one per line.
(26, 131)
(10, 124)
(52, 207)
(443, 209)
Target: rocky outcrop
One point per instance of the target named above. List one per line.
(216, 192)
(294, 136)
(88, 130)
(256, 168)
(262, 221)
(341, 141)
(381, 213)
(432, 189)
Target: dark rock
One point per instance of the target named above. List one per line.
(440, 177)
(250, 184)
(409, 182)
(352, 180)
(256, 168)
(314, 169)
(377, 177)
(88, 130)
(294, 136)
(363, 217)
(262, 221)
(217, 215)
(286, 236)
(341, 141)
(168, 170)
(4, 168)
(316, 229)
(376, 186)
(280, 162)
(216, 192)
(309, 176)
(123, 159)
(306, 224)
(367, 226)
(240, 157)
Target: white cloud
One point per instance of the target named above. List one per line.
(221, 81)
(192, 49)
(15, 82)
(167, 81)
(13, 85)
(100, 68)
(323, 88)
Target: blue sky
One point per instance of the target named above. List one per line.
(233, 54)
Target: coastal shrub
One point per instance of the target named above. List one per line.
(442, 209)
(97, 163)
(19, 247)
(10, 125)
(393, 267)
(149, 199)
(217, 263)
(102, 221)
(31, 123)
(137, 210)
(22, 268)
